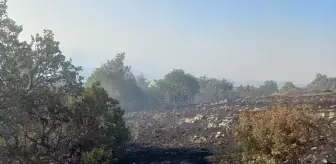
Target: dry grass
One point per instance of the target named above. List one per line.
(274, 136)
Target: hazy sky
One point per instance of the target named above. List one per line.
(240, 40)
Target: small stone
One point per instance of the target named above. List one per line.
(324, 161)
(322, 115)
(256, 109)
(313, 148)
(310, 159)
(218, 135)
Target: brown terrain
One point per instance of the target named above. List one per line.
(196, 133)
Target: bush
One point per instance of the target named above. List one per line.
(95, 156)
(46, 115)
(113, 132)
(275, 136)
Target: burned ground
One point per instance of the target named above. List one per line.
(195, 134)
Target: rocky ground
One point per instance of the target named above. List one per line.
(195, 133)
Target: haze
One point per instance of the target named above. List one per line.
(245, 40)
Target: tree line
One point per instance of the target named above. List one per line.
(178, 87)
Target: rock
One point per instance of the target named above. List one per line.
(331, 159)
(322, 115)
(224, 123)
(212, 118)
(218, 135)
(310, 159)
(256, 109)
(198, 140)
(189, 120)
(199, 117)
(212, 125)
(324, 161)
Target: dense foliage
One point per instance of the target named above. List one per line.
(289, 87)
(212, 89)
(269, 87)
(46, 115)
(176, 88)
(181, 88)
(120, 83)
(322, 82)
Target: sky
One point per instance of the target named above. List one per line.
(243, 40)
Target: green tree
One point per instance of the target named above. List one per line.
(142, 82)
(120, 83)
(269, 87)
(247, 91)
(288, 87)
(322, 81)
(212, 89)
(112, 131)
(176, 88)
(46, 116)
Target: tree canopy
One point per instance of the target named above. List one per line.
(176, 88)
(46, 115)
(212, 89)
(289, 87)
(269, 87)
(120, 83)
(322, 81)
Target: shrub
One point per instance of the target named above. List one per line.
(46, 115)
(95, 156)
(275, 136)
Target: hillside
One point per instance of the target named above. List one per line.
(205, 129)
